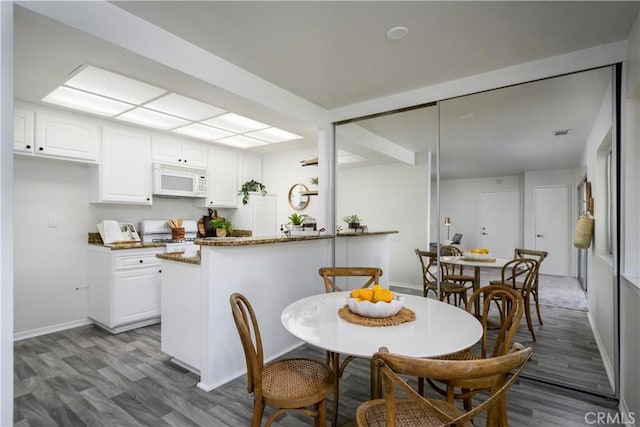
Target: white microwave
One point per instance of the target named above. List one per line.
(179, 181)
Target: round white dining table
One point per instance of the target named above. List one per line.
(439, 328)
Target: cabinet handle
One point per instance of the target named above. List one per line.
(28, 147)
(179, 160)
(159, 271)
(185, 160)
(148, 199)
(141, 261)
(41, 148)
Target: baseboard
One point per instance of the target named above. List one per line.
(608, 367)
(405, 285)
(51, 329)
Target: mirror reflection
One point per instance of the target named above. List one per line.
(510, 163)
(298, 197)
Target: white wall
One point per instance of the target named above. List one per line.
(51, 262)
(6, 213)
(630, 282)
(600, 275)
(282, 170)
(390, 197)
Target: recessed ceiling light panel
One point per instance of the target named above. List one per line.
(153, 119)
(197, 130)
(235, 123)
(241, 141)
(182, 106)
(79, 100)
(274, 135)
(112, 85)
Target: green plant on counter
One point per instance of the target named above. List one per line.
(350, 219)
(297, 219)
(250, 186)
(221, 223)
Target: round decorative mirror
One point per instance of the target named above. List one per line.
(298, 200)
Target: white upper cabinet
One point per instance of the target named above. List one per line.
(23, 130)
(66, 136)
(169, 149)
(223, 180)
(124, 174)
(250, 167)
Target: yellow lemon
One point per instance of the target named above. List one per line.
(355, 293)
(366, 294)
(376, 287)
(384, 295)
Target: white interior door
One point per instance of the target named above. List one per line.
(500, 222)
(552, 228)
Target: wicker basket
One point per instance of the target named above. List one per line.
(584, 232)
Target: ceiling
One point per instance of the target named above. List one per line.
(335, 54)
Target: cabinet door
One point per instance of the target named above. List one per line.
(250, 168)
(223, 180)
(125, 169)
(136, 295)
(23, 133)
(59, 135)
(166, 149)
(194, 154)
(265, 220)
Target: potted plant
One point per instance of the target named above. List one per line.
(352, 220)
(250, 186)
(222, 227)
(297, 219)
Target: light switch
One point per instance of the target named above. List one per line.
(52, 221)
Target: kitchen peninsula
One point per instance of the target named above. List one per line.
(197, 327)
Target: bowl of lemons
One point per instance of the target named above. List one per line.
(375, 302)
(477, 253)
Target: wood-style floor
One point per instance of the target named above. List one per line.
(85, 376)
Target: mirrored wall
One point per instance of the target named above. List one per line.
(510, 162)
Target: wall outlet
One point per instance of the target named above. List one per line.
(52, 221)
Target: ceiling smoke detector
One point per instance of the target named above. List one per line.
(561, 132)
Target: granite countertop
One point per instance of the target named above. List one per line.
(247, 241)
(95, 240)
(180, 258)
(364, 233)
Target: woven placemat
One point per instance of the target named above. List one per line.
(404, 315)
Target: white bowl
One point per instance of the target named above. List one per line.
(377, 309)
(471, 255)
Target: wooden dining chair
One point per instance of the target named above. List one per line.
(500, 316)
(455, 272)
(412, 409)
(300, 385)
(365, 276)
(520, 274)
(539, 256)
(428, 265)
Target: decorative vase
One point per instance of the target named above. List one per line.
(354, 225)
(221, 232)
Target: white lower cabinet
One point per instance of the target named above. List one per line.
(124, 287)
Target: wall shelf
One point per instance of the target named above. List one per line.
(309, 162)
(309, 193)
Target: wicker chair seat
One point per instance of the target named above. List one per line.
(409, 413)
(294, 383)
(459, 278)
(461, 355)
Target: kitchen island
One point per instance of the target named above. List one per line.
(359, 249)
(197, 327)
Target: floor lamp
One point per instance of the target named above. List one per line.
(447, 223)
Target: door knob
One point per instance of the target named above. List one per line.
(539, 235)
(484, 234)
